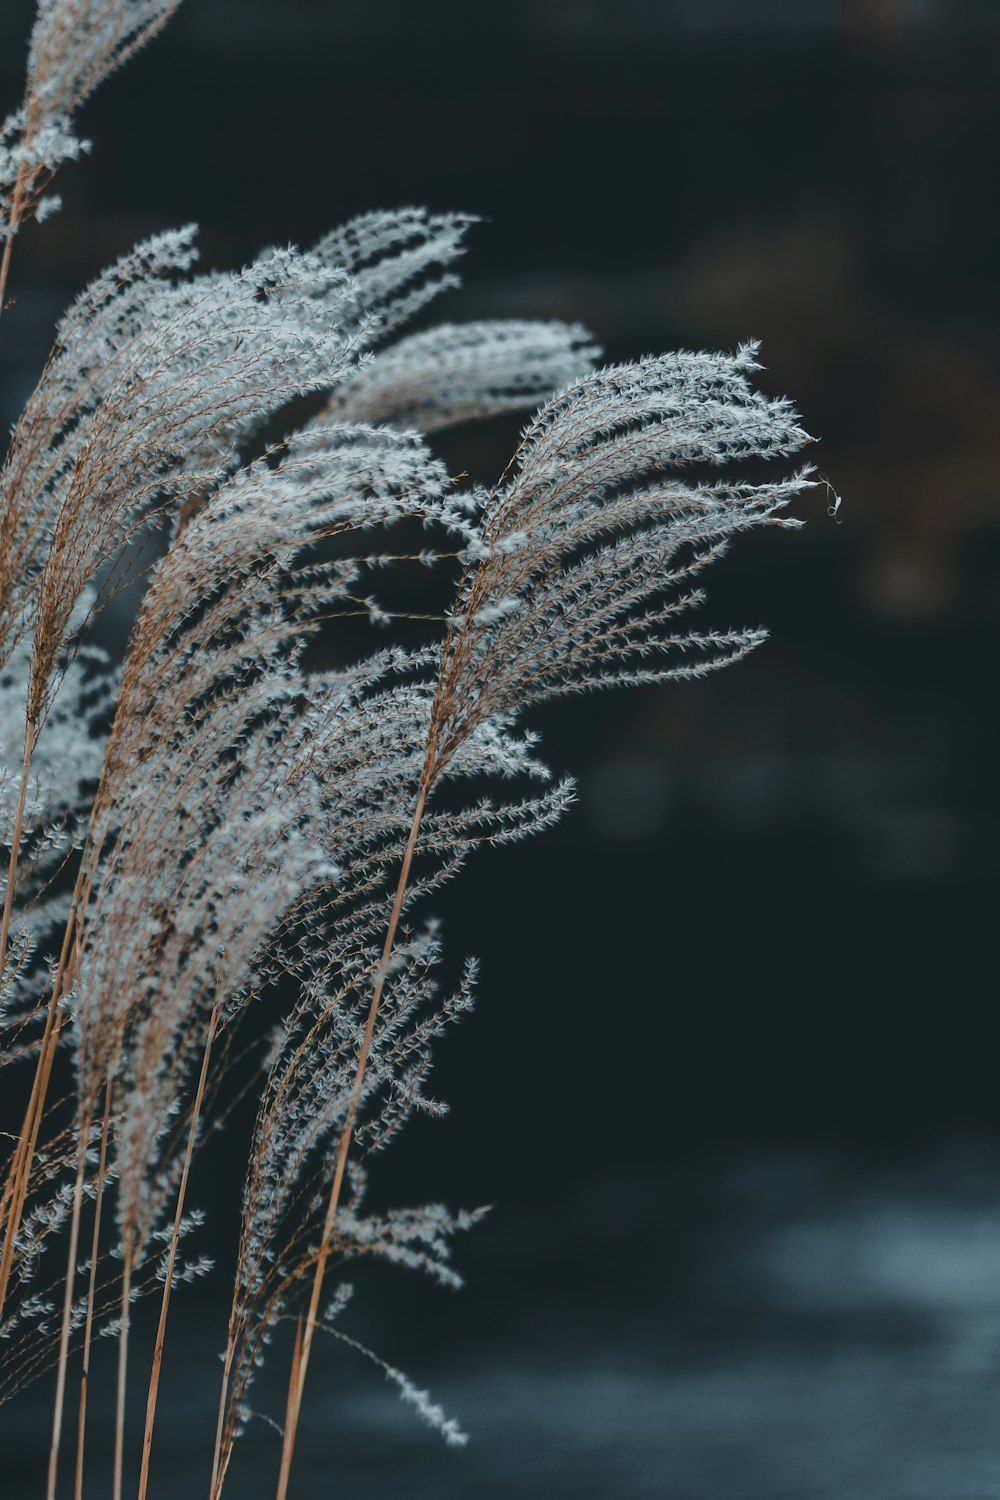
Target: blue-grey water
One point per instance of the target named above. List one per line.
(835, 1339)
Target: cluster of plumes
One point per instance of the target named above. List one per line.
(65, 762)
(151, 386)
(241, 819)
(75, 45)
(590, 546)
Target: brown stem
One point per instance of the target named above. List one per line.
(16, 1187)
(15, 844)
(8, 246)
(129, 1249)
(294, 1387)
(81, 1426)
(74, 1241)
(219, 1465)
(16, 209)
(154, 1378)
(301, 1362)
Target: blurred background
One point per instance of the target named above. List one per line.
(731, 1085)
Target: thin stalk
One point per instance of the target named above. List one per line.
(74, 1241)
(301, 1361)
(16, 207)
(218, 1467)
(291, 1416)
(154, 1378)
(16, 1187)
(123, 1365)
(81, 1426)
(8, 246)
(15, 840)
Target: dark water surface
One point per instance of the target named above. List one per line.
(838, 1339)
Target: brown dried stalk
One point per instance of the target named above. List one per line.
(154, 1377)
(81, 1428)
(304, 1339)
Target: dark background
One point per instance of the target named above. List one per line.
(732, 1081)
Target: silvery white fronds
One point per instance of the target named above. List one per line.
(215, 830)
(151, 383)
(459, 372)
(74, 45)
